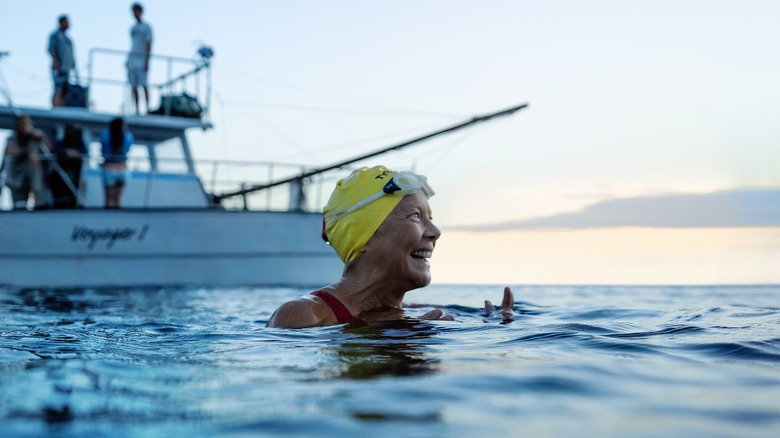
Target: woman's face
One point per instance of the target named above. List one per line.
(404, 242)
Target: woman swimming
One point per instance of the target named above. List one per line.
(379, 223)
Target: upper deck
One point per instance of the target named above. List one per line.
(147, 128)
(164, 173)
(183, 75)
(162, 170)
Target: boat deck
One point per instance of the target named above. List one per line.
(146, 128)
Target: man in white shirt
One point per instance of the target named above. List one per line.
(138, 60)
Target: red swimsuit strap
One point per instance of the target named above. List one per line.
(338, 308)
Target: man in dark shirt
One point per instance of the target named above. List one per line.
(62, 61)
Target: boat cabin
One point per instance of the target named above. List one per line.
(161, 168)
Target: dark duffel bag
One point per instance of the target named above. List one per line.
(180, 105)
(76, 96)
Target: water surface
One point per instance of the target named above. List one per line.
(576, 361)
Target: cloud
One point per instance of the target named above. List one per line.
(728, 208)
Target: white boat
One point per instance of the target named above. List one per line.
(167, 232)
(170, 230)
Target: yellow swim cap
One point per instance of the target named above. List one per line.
(350, 233)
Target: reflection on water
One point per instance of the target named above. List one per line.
(56, 300)
(592, 361)
(390, 348)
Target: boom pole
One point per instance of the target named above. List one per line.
(472, 121)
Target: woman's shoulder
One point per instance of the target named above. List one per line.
(299, 313)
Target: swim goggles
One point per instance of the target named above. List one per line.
(403, 183)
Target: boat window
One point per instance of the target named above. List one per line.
(170, 156)
(138, 158)
(95, 156)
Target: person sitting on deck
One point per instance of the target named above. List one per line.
(115, 143)
(65, 181)
(25, 165)
(379, 223)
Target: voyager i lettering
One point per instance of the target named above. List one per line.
(110, 236)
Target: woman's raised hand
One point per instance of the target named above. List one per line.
(507, 306)
(506, 311)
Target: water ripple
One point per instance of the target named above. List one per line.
(667, 331)
(591, 360)
(753, 351)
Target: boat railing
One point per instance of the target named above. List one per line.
(212, 176)
(170, 76)
(222, 176)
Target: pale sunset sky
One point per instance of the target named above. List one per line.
(649, 154)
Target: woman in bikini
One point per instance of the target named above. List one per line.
(379, 223)
(115, 142)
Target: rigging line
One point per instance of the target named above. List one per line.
(254, 78)
(383, 137)
(305, 175)
(253, 121)
(312, 153)
(23, 72)
(278, 84)
(281, 133)
(37, 92)
(4, 89)
(228, 85)
(360, 111)
(224, 129)
(448, 148)
(433, 156)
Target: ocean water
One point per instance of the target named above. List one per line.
(601, 361)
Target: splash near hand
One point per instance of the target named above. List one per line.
(507, 306)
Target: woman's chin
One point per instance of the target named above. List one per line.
(421, 277)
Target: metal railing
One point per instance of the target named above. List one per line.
(191, 76)
(215, 176)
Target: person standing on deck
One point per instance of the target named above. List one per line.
(62, 60)
(115, 144)
(138, 59)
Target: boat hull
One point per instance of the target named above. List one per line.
(124, 248)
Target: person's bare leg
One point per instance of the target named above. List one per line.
(118, 196)
(107, 197)
(57, 100)
(146, 94)
(135, 96)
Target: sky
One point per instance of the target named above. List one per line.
(648, 154)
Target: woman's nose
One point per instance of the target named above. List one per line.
(433, 231)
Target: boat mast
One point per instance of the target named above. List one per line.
(300, 178)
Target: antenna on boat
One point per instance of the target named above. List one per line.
(4, 85)
(216, 199)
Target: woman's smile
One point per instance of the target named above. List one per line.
(407, 239)
(422, 254)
